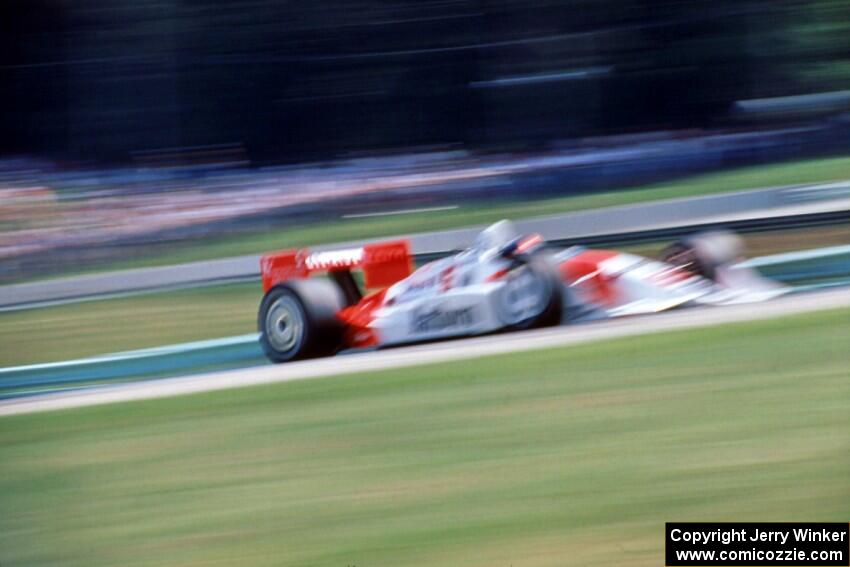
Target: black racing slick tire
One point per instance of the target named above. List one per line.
(703, 253)
(298, 320)
(542, 274)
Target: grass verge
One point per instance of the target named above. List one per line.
(127, 323)
(563, 456)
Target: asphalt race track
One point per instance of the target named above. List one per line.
(430, 353)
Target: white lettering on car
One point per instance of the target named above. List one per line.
(334, 259)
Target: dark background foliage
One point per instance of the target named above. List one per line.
(101, 79)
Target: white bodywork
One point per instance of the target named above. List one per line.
(470, 293)
(479, 291)
(650, 286)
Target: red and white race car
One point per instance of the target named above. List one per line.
(505, 281)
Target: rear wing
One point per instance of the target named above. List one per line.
(383, 263)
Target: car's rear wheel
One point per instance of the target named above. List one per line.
(297, 320)
(532, 295)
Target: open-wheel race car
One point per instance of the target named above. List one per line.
(316, 303)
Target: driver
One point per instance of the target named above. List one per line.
(496, 236)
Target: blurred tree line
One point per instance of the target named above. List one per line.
(293, 80)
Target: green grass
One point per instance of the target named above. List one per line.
(128, 323)
(342, 230)
(571, 456)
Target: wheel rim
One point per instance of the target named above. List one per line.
(284, 324)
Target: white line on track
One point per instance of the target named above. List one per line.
(124, 294)
(400, 212)
(431, 353)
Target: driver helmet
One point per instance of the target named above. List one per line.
(496, 236)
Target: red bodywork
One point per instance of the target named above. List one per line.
(585, 270)
(599, 286)
(383, 264)
(358, 317)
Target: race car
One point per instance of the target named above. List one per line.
(318, 303)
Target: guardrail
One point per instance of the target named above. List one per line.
(745, 226)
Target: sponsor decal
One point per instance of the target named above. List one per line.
(446, 278)
(425, 279)
(430, 319)
(334, 259)
(386, 253)
(265, 263)
(421, 285)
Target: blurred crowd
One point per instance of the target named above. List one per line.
(45, 206)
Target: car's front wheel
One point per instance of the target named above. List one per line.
(703, 253)
(532, 295)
